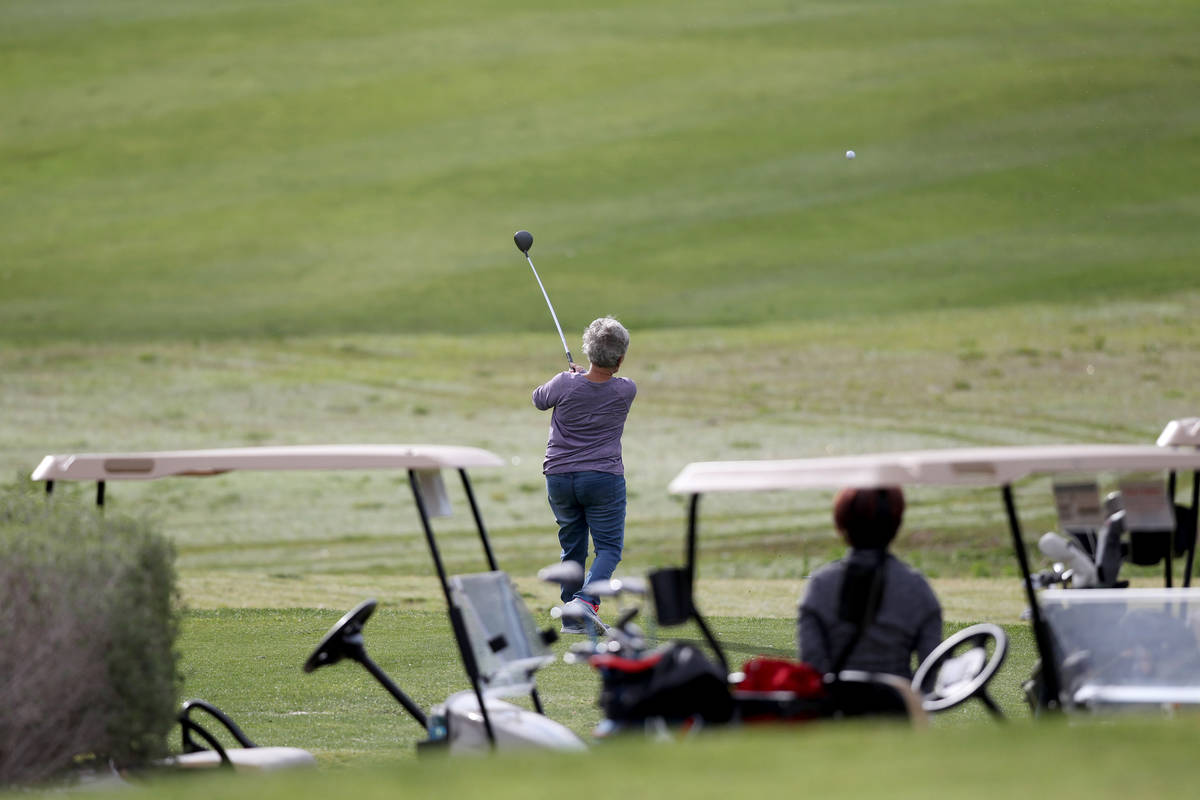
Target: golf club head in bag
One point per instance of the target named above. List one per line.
(567, 574)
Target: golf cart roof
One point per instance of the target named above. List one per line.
(161, 464)
(1181, 433)
(973, 466)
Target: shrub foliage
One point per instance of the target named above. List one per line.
(89, 615)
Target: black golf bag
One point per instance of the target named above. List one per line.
(675, 683)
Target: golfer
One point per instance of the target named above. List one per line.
(869, 610)
(585, 477)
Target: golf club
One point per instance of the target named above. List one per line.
(524, 240)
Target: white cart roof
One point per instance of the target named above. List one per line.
(150, 465)
(1181, 433)
(978, 466)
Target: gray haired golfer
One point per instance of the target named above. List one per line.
(585, 477)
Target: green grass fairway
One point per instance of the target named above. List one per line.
(232, 223)
(198, 169)
(245, 222)
(248, 661)
(937, 379)
(1085, 760)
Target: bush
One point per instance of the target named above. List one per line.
(89, 614)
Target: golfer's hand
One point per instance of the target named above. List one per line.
(576, 368)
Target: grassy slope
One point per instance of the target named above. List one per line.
(232, 169)
(934, 379)
(248, 222)
(241, 223)
(195, 172)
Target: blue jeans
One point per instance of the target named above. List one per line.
(583, 502)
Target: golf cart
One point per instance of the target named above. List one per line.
(498, 644)
(679, 684)
(1067, 624)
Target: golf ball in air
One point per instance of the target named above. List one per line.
(849, 154)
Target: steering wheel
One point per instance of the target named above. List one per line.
(944, 679)
(344, 639)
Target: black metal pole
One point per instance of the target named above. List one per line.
(1169, 561)
(394, 690)
(491, 557)
(483, 537)
(712, 640)
(49, 487)
(693, 535)
(1041, 634)
(472, 668)
(693, 524)
(100, 493)
(1191, 553)
(456, 623)
(991, 706)
(429, 538)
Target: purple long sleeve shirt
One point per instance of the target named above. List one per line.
(587, 423)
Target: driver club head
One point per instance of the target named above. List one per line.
(524, 240)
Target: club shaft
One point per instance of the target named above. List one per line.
(550, 306)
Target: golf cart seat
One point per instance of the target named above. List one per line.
(249, 757)
(503, 637)
(501, 649)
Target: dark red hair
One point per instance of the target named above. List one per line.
(869, 518)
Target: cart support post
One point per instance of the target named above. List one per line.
(456, 622)
(1041, 634)
(693, 522)
(1169, 560)
(483, 537)
(1191, 551)
(491, 558)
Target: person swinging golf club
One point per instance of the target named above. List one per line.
(585, 476)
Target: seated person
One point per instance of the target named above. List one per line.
(869, 610)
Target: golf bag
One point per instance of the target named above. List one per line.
(675, 683)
